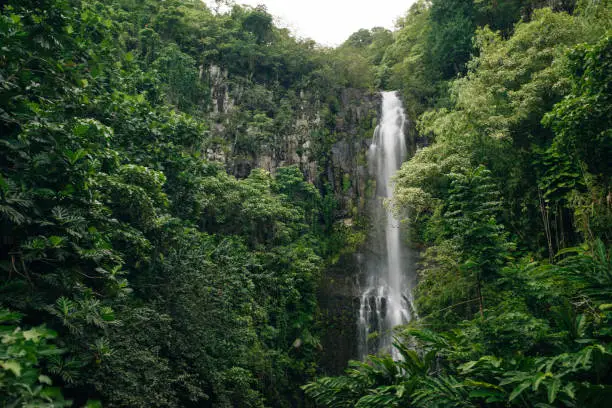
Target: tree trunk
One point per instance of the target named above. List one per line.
(480, 299)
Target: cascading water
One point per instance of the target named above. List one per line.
(386, 301)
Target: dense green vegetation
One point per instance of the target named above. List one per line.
(147, 262)
(135, 271)
(509, 205)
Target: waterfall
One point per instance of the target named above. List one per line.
(386, 300)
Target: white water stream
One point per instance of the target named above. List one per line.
(386, 300)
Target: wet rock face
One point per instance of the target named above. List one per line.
(346, 165)
(339, 307)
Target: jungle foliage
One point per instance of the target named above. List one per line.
(509, 204)
(134, 270)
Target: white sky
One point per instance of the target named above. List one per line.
(330, 22)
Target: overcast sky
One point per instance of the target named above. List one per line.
(330, 22)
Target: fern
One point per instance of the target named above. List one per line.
(13, 202)
(443, 392)
(335, 392)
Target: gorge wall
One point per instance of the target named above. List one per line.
(328, 138)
